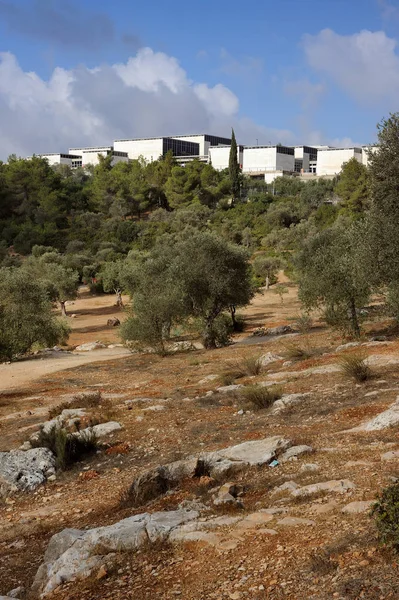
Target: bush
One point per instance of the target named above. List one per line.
(219, 334)
(296, 352)
(259, 397)
(303, 322)
(87, 400)
(386, 515)
(250, 365)
(228, 377)
(355, 366)
(67, 447)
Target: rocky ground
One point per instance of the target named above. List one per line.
(286, 516)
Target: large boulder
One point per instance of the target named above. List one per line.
(158, 481)
(25, 471)
(385, 419)
(75, 554)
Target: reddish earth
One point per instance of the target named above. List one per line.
(337, 557)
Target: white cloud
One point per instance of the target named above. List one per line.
(309, 93)
(149, 95)
(365, 64)
(247, 66)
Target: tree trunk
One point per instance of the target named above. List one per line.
(63, 309)
(267, 282)
(233, 317)
(354, 319)
(119, 301)
(208, 335)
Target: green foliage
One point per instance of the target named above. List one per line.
(234, 169)
(352, 187)
(267, 267)
(355, 366)
(68, 448)
(25, 315)
(303, 322)
(386, 515)
(259, 397)
(332, 273)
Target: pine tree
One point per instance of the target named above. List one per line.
(234, 169)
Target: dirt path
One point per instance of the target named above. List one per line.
(21, 373)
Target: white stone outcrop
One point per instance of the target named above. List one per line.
(74, 554)
(25, 471)
(385, 419)
(340, 486)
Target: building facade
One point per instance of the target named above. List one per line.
(219, 156)
(331, 160)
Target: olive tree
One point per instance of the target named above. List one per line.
(332, 273)
(26, 316)
(60, 282)
(267, 267)
(112, 276)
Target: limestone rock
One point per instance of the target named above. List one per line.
(268, 358)
(225, 389)
(309, 467)
(104, 429)
(347, 346)
(25, 471)
(354, 508)
(113, 322)
(336, 486)
(74, 554)
(393, 455)
(288, 486)
(89, 346)
(288, 400)
(387, 418)
(208, 378)
(294, 521)
(295, 451)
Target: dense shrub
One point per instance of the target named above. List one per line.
(259, 397)
(68, 448)
(386, 515)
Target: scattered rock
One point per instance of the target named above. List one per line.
(113, 322)
(295, 451)
(18, 592)
(207, 379)
(228, 494)
(268, 358)
(281, 330)
(294, 521)
(155, 408)
(225, 389)
(104, 429)
(388, 418)
(89, 346)
(286, 401)
(337, 486)
(158, 481)
(309, 467)
(393, 455)
(354, 508)
(25, 471)
(288, 486)
(347, 346)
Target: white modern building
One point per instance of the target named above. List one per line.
(331, 160)
(193, 146)
(305, 159)
(219, 156)
(90, 156)
(57, 158)
(268, 162)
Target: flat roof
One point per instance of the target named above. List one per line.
(91, 148)
(350, 148)
(172, 137)
(63, 154)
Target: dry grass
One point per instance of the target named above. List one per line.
(258, 397)
(355, 366)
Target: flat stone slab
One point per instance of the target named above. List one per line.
(336, 486)
(393, 455)
(74, 554)
(294, 522)
(385, 419)
(355, 508)
(295, 451)
(287, 401)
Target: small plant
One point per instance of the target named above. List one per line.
(259, 397)
(228, 377)
(84, 400)
(68, 448)
(296, 352)
(280, 290)
(386, 515)
(355, 366)
(250, 365)
(303, 322)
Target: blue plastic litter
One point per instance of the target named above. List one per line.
(274, 463)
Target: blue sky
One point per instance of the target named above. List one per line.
(309, 71)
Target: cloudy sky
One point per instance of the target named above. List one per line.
(85, 73)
